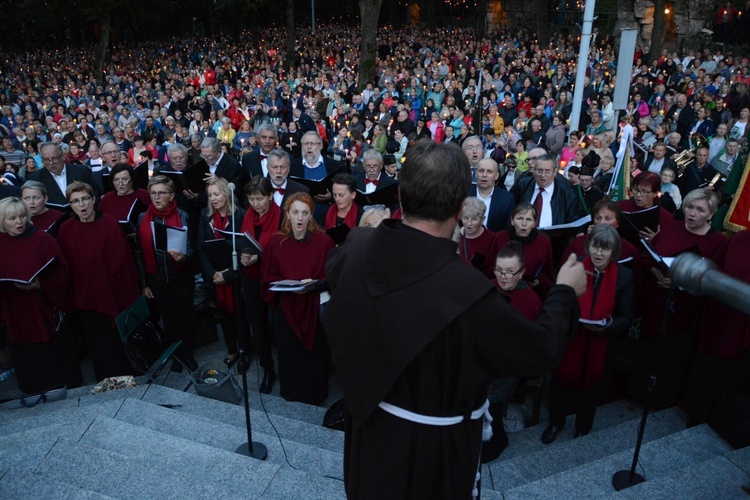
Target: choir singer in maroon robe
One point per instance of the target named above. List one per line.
(723, 362)
(125, 202)
(34, 196)
(537, 248)
(474, 240)
(103, 278)
(299, 253)
(33, 284)
(670, 320)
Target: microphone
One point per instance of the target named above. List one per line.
(700, 277)
(231, 187)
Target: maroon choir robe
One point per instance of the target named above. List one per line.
(537, 252)
(476, 250)
(119, 206)
(103, 276)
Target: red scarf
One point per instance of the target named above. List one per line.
(350, 219)
(171, 218)
(269, 225)
(224, 293)
(583, 363)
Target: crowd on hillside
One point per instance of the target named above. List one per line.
(312, 151)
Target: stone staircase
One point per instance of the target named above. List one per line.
(154, 441)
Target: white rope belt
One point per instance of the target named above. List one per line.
(429, 420)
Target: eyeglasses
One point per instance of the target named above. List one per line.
(54, 159)
(641, 192)
(122, 181)
(600, 250)
(473, 148)
(159, 194)
(507, 273)
(113, 152)
(81, 201)
(310, 144)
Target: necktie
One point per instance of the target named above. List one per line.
(279, 190)
(263, 157)
(538, 205)
(368, 181)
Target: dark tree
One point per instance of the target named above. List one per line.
(369, 11)
(657, 32)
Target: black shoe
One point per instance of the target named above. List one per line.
(176, 366)
(550, 433)
(231, 360)
(266, 386)
(580, 433)
(191, 364)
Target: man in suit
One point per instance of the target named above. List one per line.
(256, 162)
(110, 155)
(279, 164)
(559, 203)
(56, 176)
(499, 203)
(305, 123)
(659, 160)
(313, 165)
(374, 179)
(220, 164)
(474, 152)
(682, 115)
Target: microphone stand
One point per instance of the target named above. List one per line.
(250, 448)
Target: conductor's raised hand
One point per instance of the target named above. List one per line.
(572, 274)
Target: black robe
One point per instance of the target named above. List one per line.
(410, 324)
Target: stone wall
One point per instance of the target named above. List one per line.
(683, 24)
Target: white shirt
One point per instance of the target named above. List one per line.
(656, 165)
(370, 186)
(61, 180)
(487, 202)
(212, 168)
(314, 165)
(277, 196)
(546, 219)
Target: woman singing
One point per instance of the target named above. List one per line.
(299, 253)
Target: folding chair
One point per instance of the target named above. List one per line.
(143, 340)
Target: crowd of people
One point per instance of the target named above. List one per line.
(216, 139)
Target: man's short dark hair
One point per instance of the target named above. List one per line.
(434, 181)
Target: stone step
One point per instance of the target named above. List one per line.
(75, 398)
(658, 458)
(292, 429)
(717, 477)
(21, 485)
(528, 440)
(210, 432)
(150, 465)
(561, 456)
(65, 415)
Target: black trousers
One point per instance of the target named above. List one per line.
(563, 400)
(256, 312)
(41, 366)
(175, 303)
(104, 346)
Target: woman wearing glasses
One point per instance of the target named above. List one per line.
(606, 312)
(37, 338)
(644, 194)
(167, 276)
(537, 248)
(120, 202)
(103, 280)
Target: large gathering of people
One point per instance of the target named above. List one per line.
(213, 139)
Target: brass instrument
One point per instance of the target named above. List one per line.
(687, 157)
